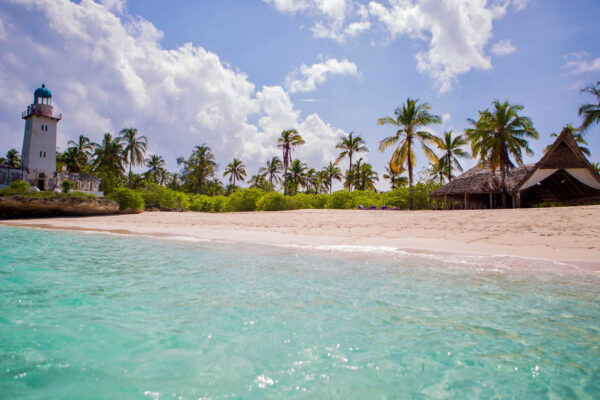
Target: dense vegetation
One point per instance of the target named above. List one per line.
(498, 137)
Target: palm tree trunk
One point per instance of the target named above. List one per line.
(129, 174)
(350, 173)
(502, 185)
(410, 179)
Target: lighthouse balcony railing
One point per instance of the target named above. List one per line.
(36, 111)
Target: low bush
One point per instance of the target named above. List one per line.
(243, 200)
(67, 185)
(20, 185)
(128, 199)
(339, 200)
(202, 203)
(272, 201)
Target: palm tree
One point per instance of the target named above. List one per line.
(409, 119)
(135, 148)
(108, 161)
(198, 167)
(273, 170)
(349, 145)
(578, 136)
(12, 160)
(236, 170)
(156, 170)
(394, 172)
(74, 159)
(297, 175)
(590, 112)
(438, 170)
(498, 134)
(451, 147)
(287, 141)
(330, 173)
(84, 148)
(363, 176)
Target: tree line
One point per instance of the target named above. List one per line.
(499, 137)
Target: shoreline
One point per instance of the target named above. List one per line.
(565, 235)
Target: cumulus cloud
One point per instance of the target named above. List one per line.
(108, 71)
(309, 77)
(580, 62)
(333, 19)
(457, 30)
(503, 48)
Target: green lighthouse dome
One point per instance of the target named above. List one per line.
(41, 93)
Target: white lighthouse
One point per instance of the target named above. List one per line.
(39, 141)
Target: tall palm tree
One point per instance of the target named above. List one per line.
(297, 175)
(107, 161)
(394, 172)
(135, 148)
(590, 112)
(74, 159)
(287, 141)
(198, 167)
(437, 170)
(498, 134)
(12, 159)
(350, 145)
(236, 170)
(451, 147)
(578, 136)
(363, 175)
(411, 117)
(84, 147)
(156, 165)
(330, 173)
(273, 170)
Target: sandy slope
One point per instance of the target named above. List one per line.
(562, 234)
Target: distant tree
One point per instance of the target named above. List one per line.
(452, 150)
(156, 170)
(74, 159)
(236, 171)
(498, 134)
(364, 176)
(84, 149)
(272, 170)
(107, 161)
(296, 176)
(590, 112)
(393, 172)
(350, 145)
(437, 170)
(577, 135)
(409, 119)
(134, 149)
(198, 168)
(287, 141)
(12, 159)
(330, 173)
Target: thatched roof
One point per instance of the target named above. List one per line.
(563, 154)
(480, 179)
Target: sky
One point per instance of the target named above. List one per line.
(234, 73)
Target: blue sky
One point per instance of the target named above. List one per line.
(233, 74)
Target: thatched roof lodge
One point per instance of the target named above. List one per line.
(563, 175)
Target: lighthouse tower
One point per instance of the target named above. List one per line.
(39, 140)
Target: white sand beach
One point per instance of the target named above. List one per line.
(567, 234)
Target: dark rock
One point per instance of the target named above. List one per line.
(33, 207)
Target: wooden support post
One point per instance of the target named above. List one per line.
(491, 202)
(466, 200)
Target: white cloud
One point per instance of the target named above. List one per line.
(580, 62)
(333, 19)
(503, 48)
(107, 72)
(309, 77)
(457, 30)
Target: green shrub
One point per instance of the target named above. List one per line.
(303, 201)
(365, 199)
(243, 200)
(202, 203)
(396, 198)
(182, 201)
(128, 199)
(339, 200)
(219, 204)
(20, 185)
(272, 201)
(67, 185)
(163, 197)
(320, 200)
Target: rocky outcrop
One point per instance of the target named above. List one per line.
(34, 207)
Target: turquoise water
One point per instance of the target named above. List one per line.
(86, 316)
